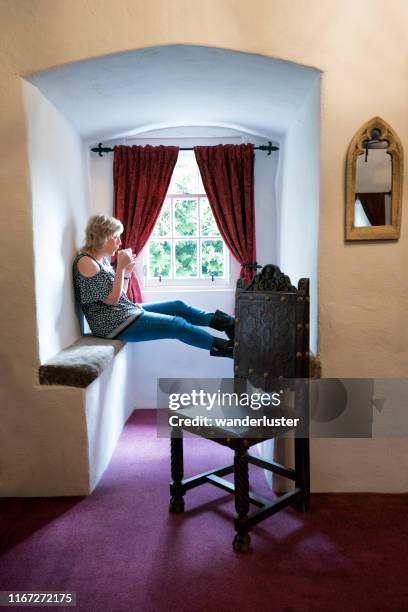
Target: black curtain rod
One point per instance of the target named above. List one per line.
(268, 148)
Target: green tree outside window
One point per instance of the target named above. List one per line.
(186, 242)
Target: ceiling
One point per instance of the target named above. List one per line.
(178, 85)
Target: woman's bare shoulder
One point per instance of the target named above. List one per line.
(87, 266)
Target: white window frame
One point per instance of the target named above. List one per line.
(216, 282)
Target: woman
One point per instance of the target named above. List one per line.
(101, 291)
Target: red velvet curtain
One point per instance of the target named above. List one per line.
(227, 172)
(141, 177)
(374, 207)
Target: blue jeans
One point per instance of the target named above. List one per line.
(171, 319)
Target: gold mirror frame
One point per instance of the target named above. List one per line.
(356, 148)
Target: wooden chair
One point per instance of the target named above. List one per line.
(271, 351)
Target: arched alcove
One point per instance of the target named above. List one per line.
(175, 92)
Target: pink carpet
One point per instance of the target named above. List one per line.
(120, 550)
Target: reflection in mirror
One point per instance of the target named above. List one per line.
(373, 188)
(374, 183)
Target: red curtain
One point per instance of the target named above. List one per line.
(141, 177)
(227, 172)
(374, 207)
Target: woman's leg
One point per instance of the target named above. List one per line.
(217, 320)
(156, 326)
(178, 308)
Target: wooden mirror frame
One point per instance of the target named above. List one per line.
(356, 148)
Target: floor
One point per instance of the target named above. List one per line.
(121, 550)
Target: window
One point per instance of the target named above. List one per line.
(186, 247)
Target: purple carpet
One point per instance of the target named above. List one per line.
(120, 550)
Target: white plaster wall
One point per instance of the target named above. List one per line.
(109, 401)
(43, 446)
(298, 199)
(59, 171)
(60, 207)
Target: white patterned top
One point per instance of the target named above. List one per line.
(105, 320)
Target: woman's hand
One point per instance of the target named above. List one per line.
(125, 262)
(124, 259)
(130, 267)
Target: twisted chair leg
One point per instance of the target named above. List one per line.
(176, 490)
(242, 539)
(302, 472)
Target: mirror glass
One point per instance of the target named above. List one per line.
(373, 186)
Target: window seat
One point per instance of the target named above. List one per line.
(81, 363)
(87, 417)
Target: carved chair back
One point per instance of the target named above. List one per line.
(272, 328)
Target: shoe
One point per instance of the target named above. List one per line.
(222, 348)
(223, 322)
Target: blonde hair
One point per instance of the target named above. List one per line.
(98, 230)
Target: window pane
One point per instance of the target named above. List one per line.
(186, 258)
(200, 188)
(185, 217)
(208, 224)
(212, 257)
(184, 178)
(163, 224)
(159, 258)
